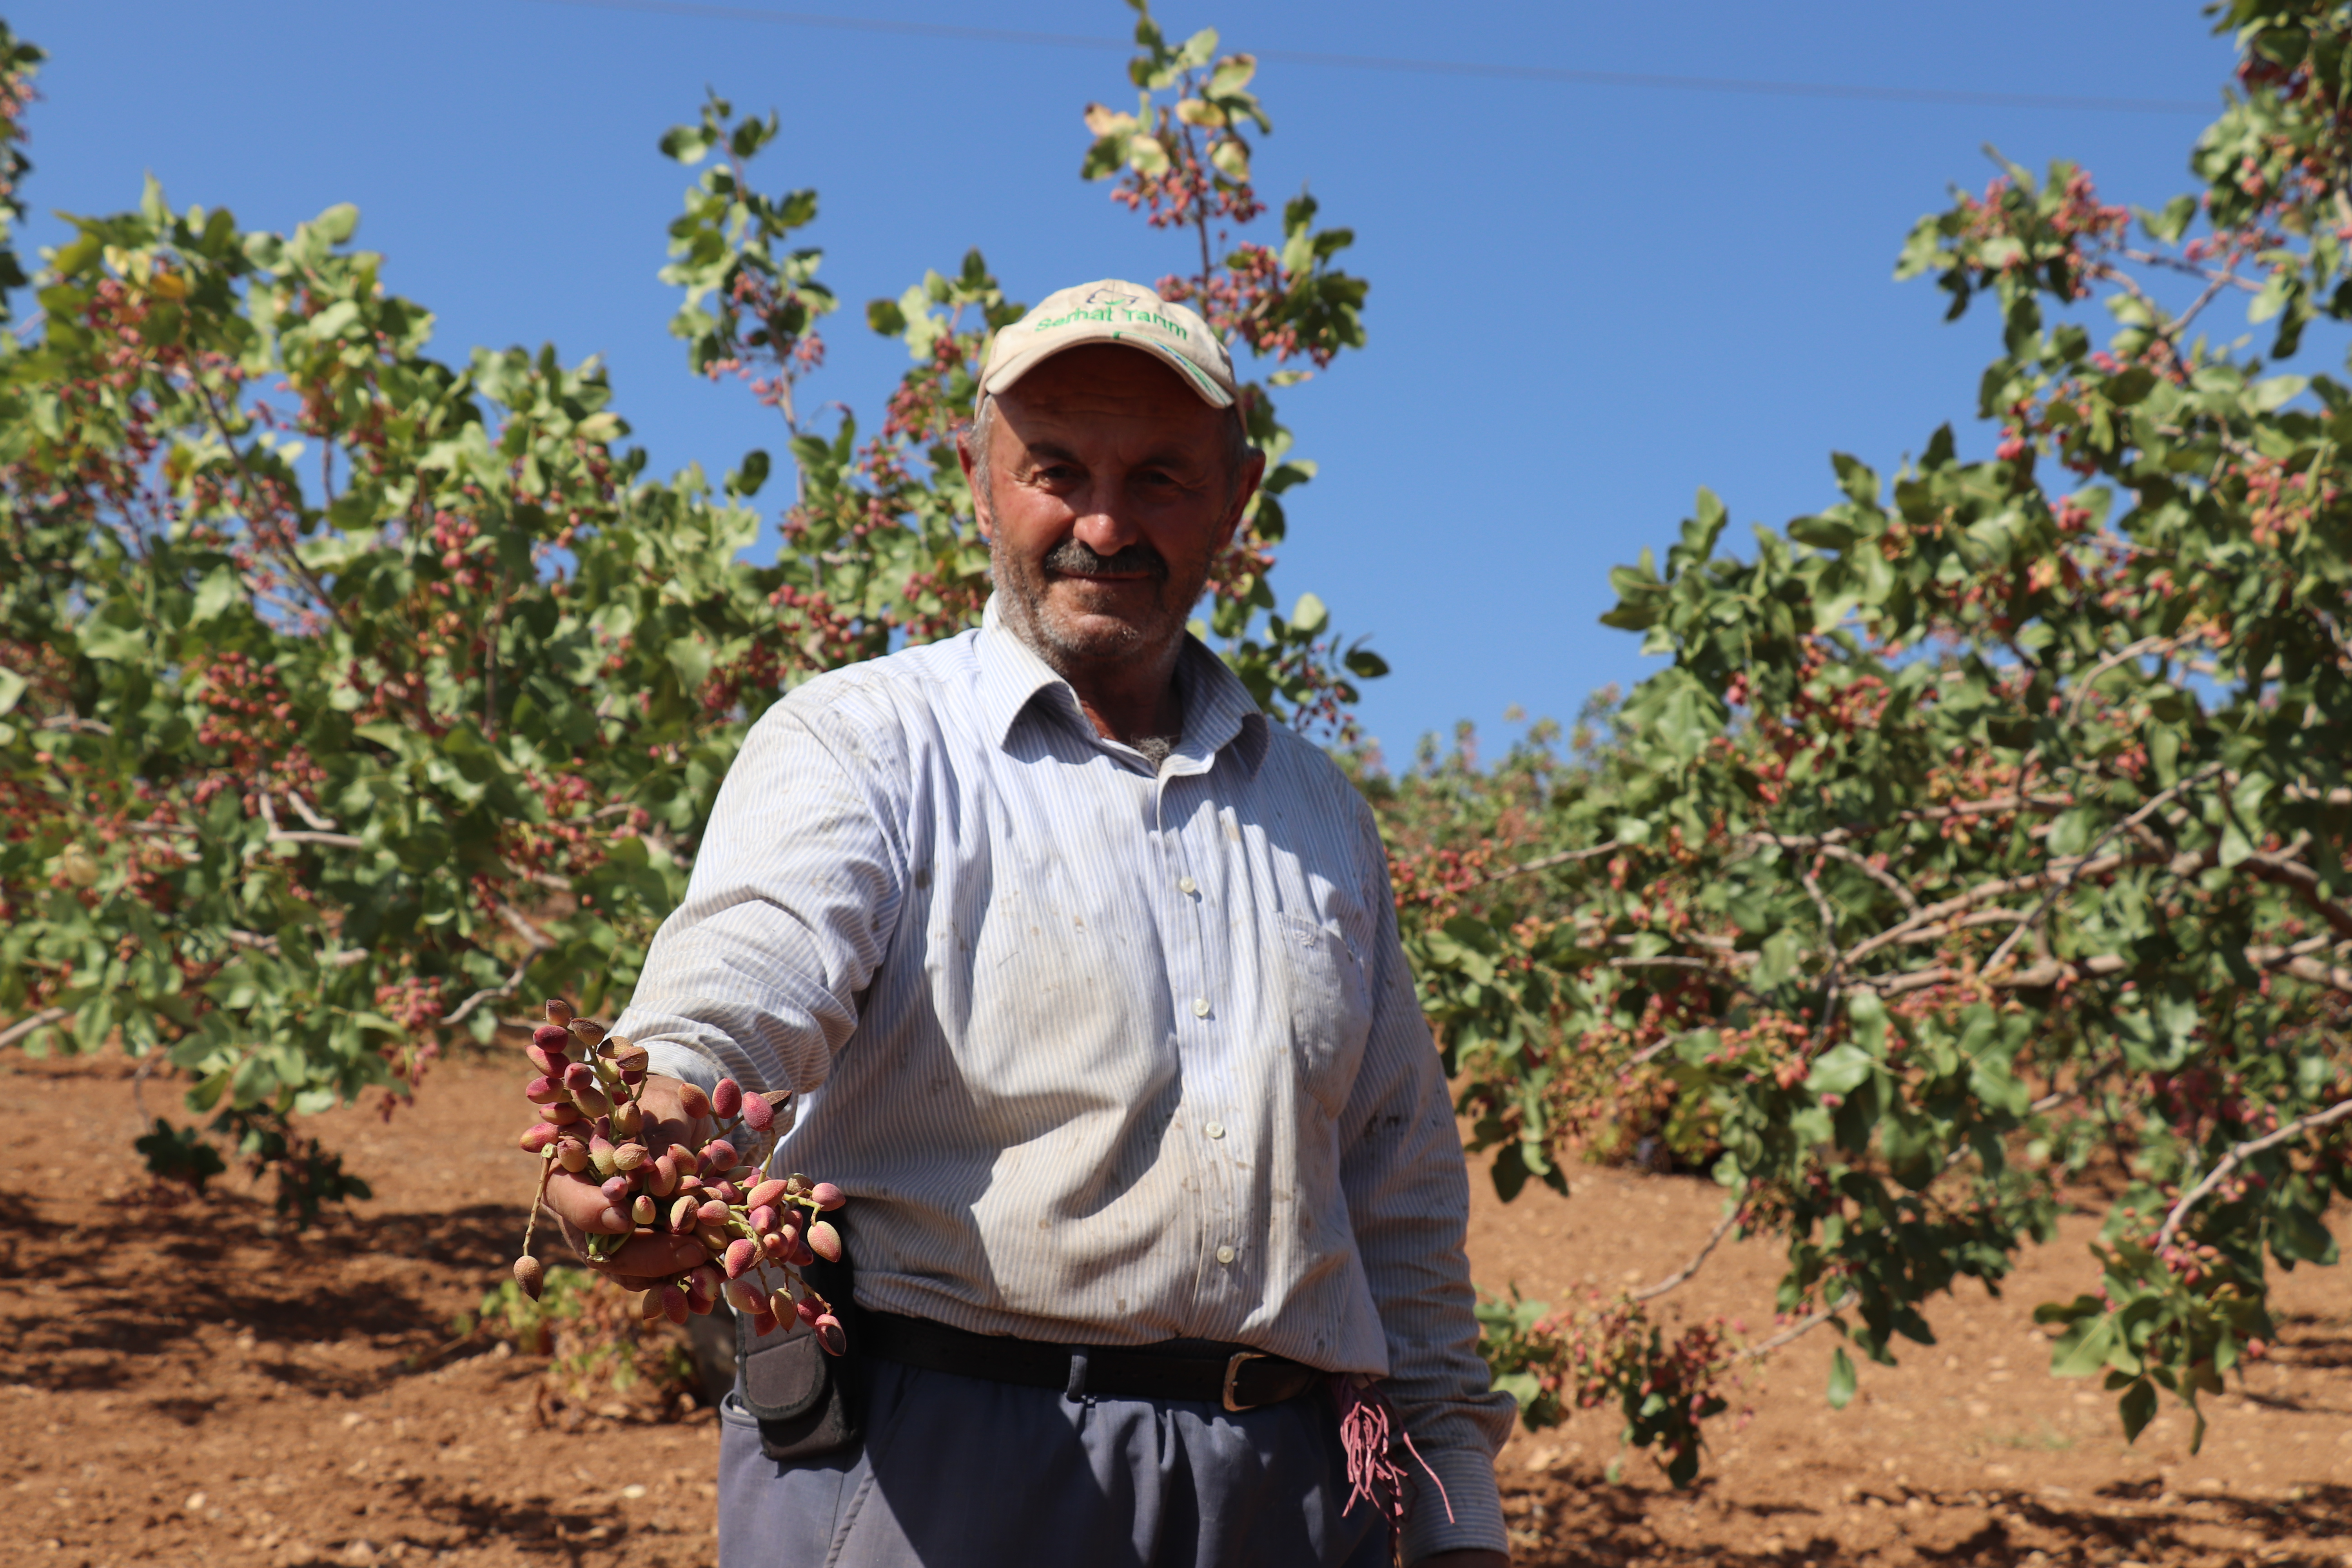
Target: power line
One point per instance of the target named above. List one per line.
(1928, 95)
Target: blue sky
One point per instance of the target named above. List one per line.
(1587, 300)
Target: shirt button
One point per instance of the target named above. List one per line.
(1186, 885)
(1224, 1255)
(1214, 1129)
(1200, 1007)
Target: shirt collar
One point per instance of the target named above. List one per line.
(1218, 710)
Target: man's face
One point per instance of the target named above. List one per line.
(1112, 496)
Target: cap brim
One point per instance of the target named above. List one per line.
(1203, 383)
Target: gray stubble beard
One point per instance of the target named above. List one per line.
(1026, 613)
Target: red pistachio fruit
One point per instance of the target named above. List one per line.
(552, 1063)
(537, 1136)
(828, 1196)
(829, 1334)
(765, 1194)
(824, 1241)
(550, 1038)
(757, 1114)
(572, 1154)
(741, 1256)
(763, 1219)
(587, 1031)
(529, 1275)
(558, 1011)
(693, 1101)
(717, 1157)
(675, 1306)
(727, 1098)
(764, 1323)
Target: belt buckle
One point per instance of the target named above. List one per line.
(1232, 1370)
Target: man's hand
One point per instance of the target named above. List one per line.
(580, 1206)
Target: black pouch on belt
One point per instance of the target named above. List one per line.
(807, 1403)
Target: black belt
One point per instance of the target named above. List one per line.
(1235, 1376)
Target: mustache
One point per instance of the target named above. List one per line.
(1075, 556)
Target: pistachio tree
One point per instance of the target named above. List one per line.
(347, 693)
(1984, 836)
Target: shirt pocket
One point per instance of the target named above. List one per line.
(1330, 1003)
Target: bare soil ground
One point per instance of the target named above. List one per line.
(198, 1383)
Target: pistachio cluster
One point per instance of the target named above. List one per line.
(759, 1232)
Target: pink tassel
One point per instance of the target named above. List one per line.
(1366, 1422)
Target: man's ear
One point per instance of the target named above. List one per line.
(981, 507)
(1252, 472)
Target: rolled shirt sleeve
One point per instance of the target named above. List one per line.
(755, 975)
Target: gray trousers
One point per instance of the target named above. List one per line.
(960, 1472)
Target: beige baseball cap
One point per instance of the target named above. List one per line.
(1112, 311)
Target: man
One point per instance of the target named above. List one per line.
(1087, 978)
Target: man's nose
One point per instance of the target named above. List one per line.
(1105, 525)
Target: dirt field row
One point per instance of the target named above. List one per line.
(208, 1386)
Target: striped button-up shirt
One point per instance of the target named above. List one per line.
(1102, 1053)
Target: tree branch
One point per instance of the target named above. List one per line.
(1715, 1238)
(40, 1020)
(280, 542)
(280, 835)
(1671, 961)
(1837, 851)
(2238, 1156)
(1800, 1328)
(2063, 884)
(1546, 862)
(303, 809)
(2083, 683)
(339, 958)
(492, 993)
(535, 941)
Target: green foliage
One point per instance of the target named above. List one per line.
(347, 691)
(179, 1154)
(507, 1314)
(1612, 1355)
(1989, 828)
(595, 1344)
(306, 1175)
